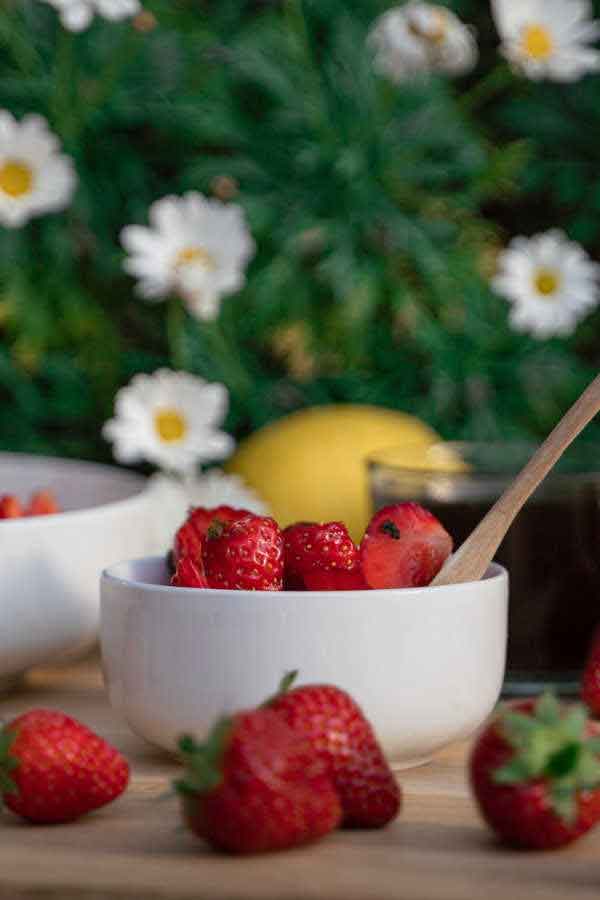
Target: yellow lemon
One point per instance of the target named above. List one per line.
(311, 465)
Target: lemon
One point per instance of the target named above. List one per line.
(311, 465)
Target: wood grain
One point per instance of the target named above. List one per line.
(472, 559)
(135, 850)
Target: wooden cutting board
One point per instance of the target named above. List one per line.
(135, 850)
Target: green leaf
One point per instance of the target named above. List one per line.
(564, 804)
(287, 681)
(518, 727)
(547, 709)
(7, 785)
(588, 770)
(574, 722)
(564, 761)
(516, 771)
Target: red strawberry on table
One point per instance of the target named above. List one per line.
(345, 741)
(54, 769)
(320, 557)
(535, 773)
(10, 507)
(246, 554)
(403, 546)
(590, 684)
(256, 786)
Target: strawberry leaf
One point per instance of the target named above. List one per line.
(564, 761)
(203, 761)
(516, 771)
(594, 744)
(547, 709)
(564, 803)
(588, 770)
(7, 785)
(518, 728)
(574, 722)
(284, 685)
(287, 681)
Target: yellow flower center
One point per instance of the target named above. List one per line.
(196, 256)
(436, 29)
(537, 42)
(16, 178)
(171, 426)
(546, 282)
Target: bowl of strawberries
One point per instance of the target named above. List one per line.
(239, 601)
(61, 523)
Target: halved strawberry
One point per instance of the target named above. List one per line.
(189, 573)
(404, 546)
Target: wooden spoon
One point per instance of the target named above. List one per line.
(472, 559)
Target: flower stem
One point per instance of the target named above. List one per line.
(487, 88)
(315, 105)
(61, 101)
(176, 333)
(22, 50)
(110, 74)
(231, 369)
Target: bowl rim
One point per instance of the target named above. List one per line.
(110, 575)
(145, 487)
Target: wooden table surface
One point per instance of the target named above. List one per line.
(437, 850)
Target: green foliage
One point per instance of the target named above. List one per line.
(377, 213)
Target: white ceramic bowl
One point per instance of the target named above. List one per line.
(50, 565)
(425, 664)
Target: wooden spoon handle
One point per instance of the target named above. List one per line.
(472, 559)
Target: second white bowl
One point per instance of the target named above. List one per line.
(50, 565)
(425, 664)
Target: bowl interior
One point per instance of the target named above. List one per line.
(76, 485)
(151, 573)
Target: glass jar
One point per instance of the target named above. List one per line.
(552, 550)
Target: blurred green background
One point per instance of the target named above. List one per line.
(378, 212)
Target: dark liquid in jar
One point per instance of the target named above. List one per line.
(552, 553)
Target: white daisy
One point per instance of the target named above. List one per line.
(548, 38)
(35, 177)
(418, 38)
(174, 497)
(170, 419)
(551, 282)
(76, 15)
(195, 247)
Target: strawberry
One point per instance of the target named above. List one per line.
(403, 546)
(189, 574)
(590, 685)
(256, 786)
(535, 773)
(189, 538)
(322, 551)
(54, 769)
(345, 741)
(246, 554)
(10, 507)
(42, 503)
(336, 579)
